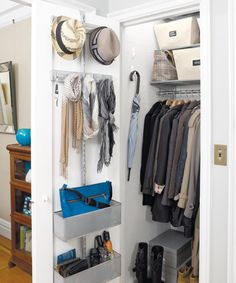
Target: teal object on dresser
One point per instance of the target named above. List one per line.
(23, 137)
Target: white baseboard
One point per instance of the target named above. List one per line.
(5, 228)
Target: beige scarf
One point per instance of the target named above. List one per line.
(72, 94)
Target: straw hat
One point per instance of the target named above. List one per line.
(68, 37)
(104, 45)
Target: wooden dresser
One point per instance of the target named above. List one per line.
(20, 164)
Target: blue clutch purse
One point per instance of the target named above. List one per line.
(79, 200)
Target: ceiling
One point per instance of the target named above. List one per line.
(11, 9)
(6, 5)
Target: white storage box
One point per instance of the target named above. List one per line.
(187, 63)
(177, 34)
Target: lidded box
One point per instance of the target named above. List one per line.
(188, 63)
(177, 248)
(177, 34)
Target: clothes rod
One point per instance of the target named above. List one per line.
(188, 94)
(59, 76)
(179, 92)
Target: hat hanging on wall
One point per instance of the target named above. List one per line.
(104, 45)
(68, 37)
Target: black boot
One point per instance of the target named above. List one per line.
(141, 263)
(156, 263)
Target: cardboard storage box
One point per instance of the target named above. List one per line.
(179, 33)
(188, 63)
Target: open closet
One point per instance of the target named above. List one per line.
(169, 83)
(136, 224)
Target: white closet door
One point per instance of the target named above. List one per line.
(45, 131)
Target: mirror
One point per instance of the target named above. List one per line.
(8, 120)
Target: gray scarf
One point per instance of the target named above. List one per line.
(107, 105)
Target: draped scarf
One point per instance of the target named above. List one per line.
(90, 108)
(71, 95)
(107, 105)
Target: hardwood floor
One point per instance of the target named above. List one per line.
(10, 275)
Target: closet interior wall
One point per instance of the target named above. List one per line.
(74, 178)
(139, 43)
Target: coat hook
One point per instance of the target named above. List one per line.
(56, 90)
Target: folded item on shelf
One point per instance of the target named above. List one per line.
(75, 201)
(65, 257)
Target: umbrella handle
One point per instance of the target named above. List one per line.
(129, 170)
(131, 77)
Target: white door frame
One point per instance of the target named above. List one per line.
(232, 145)
(151, 12)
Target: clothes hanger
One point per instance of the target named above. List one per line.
(169, 102)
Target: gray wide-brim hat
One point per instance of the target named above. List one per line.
(104, 45)
(68, 37)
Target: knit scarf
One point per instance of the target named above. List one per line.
(107, 104)
(72, 94)
(90, 108)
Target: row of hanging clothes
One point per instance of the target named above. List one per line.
(91, 100)
(170, 169)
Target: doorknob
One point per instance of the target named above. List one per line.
(45, 198)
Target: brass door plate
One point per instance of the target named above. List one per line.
(220, 154)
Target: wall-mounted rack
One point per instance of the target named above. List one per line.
(100, 273)
(59, 75)
(84, 224)
(81, 225)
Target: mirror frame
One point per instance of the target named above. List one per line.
(9, 66)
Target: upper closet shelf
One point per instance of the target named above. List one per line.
(184, 47)
(172, 83)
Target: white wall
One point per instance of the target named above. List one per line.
(101, 5)
(137, 221)
(15, 46)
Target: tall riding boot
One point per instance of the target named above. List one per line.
(141, 263)
(156, 263)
